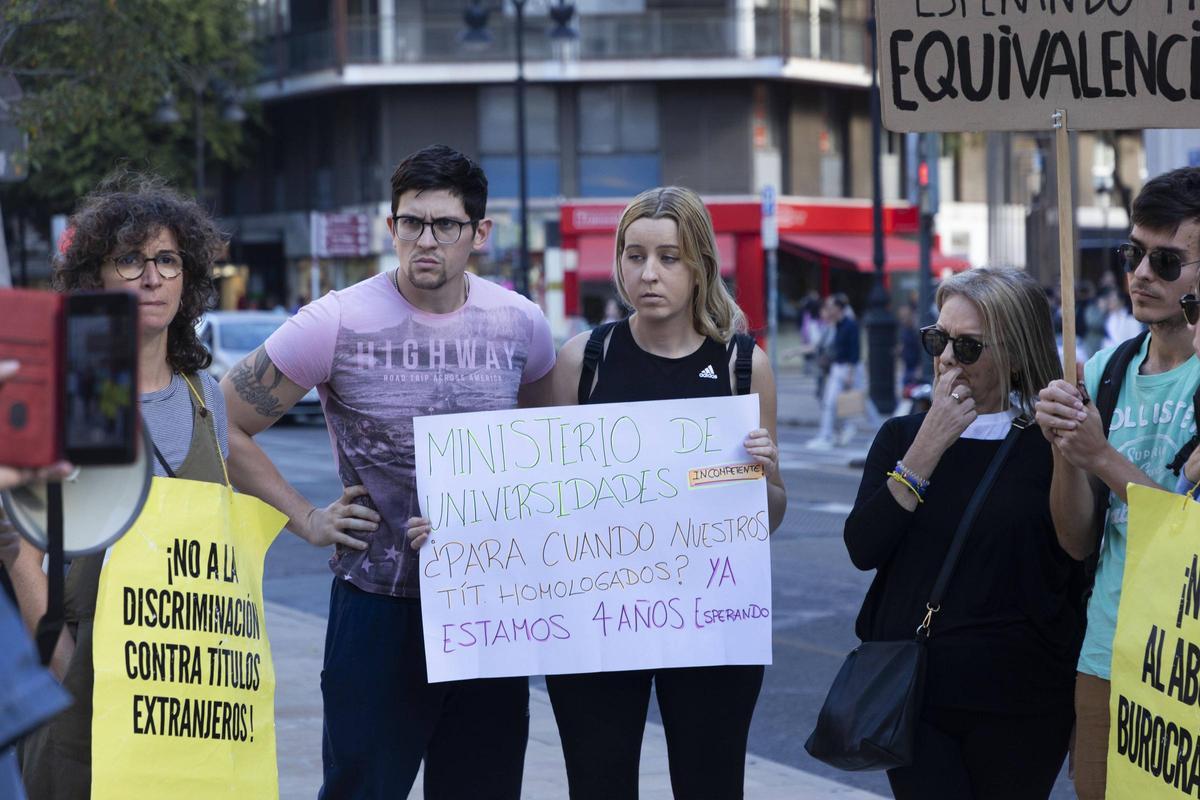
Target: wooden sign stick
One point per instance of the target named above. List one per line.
(1066, 241)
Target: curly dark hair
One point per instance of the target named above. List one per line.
(124, 211)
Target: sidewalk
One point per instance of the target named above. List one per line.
(297, 642)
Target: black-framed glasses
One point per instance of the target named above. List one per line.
(1165, 263)
(1191, 308)
(446, 230)
(967, 349)
(132, 265)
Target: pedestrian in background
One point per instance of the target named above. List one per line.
(383, 717)
(686, 338)
(844, 372)
(996, 714)
(1119, 323)
(908, 348)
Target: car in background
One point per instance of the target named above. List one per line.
(232, 335)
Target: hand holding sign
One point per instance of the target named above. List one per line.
(417, 531)
(761, 447)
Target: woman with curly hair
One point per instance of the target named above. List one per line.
(132, 234)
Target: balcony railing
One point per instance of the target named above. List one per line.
(652, 35)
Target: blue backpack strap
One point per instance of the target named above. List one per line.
(743, 365)
(592, 354)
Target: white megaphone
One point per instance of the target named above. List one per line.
(83, 514)
(99, 503)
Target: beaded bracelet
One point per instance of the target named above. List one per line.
(896, 476)
(919, 483)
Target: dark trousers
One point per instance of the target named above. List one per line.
(382, 716)
(706, 715)
(972, 755)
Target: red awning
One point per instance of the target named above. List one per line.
(856, 251)
(596, 256)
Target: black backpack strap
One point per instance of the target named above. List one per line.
(743, 365)
(1114, 375)
(592, 354)
(1189, 447)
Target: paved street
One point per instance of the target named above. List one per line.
(817, 593)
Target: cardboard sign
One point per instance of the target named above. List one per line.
(593, 538)
(1007, 65)
(184, 699)
(1154, 737)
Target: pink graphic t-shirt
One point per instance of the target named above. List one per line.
(377, 362)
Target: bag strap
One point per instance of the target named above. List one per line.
(964, 525)
(591, 359)
(1189, 447)
(743, 365)
(1114, 375)
(162, 461)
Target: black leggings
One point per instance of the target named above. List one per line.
(706, 715)
(973, 755)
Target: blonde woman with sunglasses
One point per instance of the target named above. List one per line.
(997, 710)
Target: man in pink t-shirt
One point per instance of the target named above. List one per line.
(424, 338)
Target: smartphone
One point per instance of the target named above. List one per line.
(100, 413)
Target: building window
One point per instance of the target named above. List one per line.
(618, 140)
(498, 140)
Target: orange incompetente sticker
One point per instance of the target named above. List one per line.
(727, 473)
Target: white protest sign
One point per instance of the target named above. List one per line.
(593, 538)
(1005, 65)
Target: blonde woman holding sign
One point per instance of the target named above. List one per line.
(681, 341)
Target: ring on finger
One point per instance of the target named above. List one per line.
(956, 396)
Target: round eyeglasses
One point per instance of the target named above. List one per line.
(445, 229)
(132, 265)
(967, 349)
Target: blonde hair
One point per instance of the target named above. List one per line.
(1016, 326)
(715, 314)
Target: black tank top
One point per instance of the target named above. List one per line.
(627, 372)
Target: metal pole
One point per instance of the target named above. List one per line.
(199, 141)
(880, 324)
(773, 306)
(924, 315)
(5, 272)
(522, 271)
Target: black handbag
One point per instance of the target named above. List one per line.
(869, 719)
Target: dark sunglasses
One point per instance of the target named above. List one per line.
(1165, 263)
(1191, 308)
(967, 349)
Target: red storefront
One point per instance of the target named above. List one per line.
(828, 235)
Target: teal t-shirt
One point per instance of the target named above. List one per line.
(1152, 420)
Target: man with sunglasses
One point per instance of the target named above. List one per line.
(1152, 421)
(424, 338)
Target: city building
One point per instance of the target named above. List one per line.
(723, 96)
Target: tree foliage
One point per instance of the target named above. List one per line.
(94, 72)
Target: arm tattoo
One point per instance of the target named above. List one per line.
(255, 379)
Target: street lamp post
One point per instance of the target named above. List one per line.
(167, 114)
(475, 18)
(522, 276)
(879, 322)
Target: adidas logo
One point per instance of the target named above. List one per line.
(708, 372)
